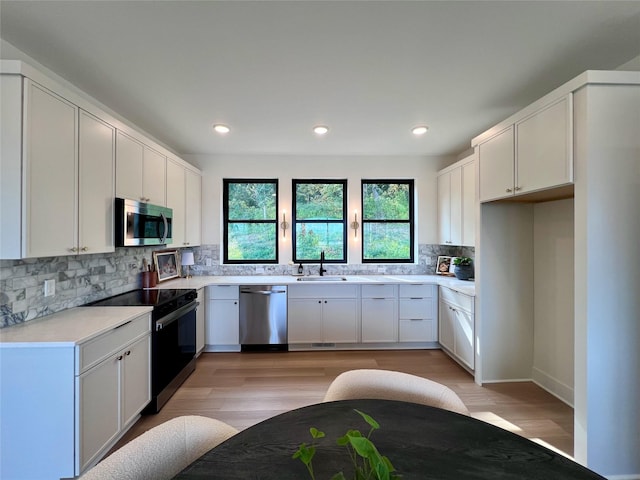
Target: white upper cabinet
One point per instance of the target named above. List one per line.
(533, 153)
(544, 148)
(50, 168)
(129, 159)
(184, 196)
(456, 203)
(141, 172)
(496, 166)
(154, 177)
(193, 213)
(64, 205)
(176, 200)
(96, 185)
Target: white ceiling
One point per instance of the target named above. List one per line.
(368, 69)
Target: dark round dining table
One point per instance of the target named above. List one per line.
(421, 442)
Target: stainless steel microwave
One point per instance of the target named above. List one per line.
(140, 223)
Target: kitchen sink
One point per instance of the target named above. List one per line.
(322, 279)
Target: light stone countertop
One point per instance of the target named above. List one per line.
(197, 282)
(68, 327)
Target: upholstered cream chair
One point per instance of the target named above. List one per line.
(163, 451)
(391, 385)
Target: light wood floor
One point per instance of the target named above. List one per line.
(242, 389)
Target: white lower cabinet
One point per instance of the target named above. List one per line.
(322, 314)
(223, 316)
(418, 313)
(71, 402)
(200, 321)
(456, 322)
(379, 313)
(112, 394)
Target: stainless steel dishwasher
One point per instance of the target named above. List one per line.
(263, 317)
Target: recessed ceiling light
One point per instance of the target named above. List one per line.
(220, 128)
(320, 129)
(419, 130)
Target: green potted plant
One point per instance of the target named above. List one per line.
(367, 462)
(463, 268)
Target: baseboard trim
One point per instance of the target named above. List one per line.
(554, 386)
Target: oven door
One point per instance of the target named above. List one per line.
(173, 352)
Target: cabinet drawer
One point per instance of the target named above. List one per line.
(412, 308)
(456, 298)
(418, 291)
(378, 291)
(223, 292)
(418, 330)
(323, 291)
(108, 343)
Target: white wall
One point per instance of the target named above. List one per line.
(354, 168)
(633, 64)
(553, 266)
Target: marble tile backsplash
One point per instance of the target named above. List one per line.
(85, 278)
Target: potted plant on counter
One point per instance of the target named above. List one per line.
(463, 268)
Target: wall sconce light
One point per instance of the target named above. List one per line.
(284, 224)
(355, 225)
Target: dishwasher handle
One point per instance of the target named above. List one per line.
(262, 292)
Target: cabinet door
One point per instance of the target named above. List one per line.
(136, 378)
(129, 159)
(446, 330)
(496, 166)
(193, 230)
(99, 408)
(379, 320)
(176, 198)
(455, 202)
(200, 321)
(464, 336)
(223, 322)
(544, 148)
(50, 174)
(305, 320)
(154, 176)
(444, 209)
(469, 204)
(96, 184)
(339, 320)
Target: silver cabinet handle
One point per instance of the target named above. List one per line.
(509, 190)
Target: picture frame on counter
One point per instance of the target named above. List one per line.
(167, 264)
(443, 265)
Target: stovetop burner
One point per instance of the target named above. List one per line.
(141, 297)
(162, 301)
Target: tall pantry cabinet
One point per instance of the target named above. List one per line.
(589, 125)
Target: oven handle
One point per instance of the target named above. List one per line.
(175, 315)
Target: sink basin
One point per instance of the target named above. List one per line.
(321, 279)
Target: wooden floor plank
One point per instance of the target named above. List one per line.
(243, 389)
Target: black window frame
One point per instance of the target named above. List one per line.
(411, 220)
(225, 208)
(295, 221)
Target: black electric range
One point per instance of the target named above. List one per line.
(173, 337)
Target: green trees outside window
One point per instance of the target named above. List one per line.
(387, 221)
(250, 221)
(319, 220)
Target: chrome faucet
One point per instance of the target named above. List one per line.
(322, 269)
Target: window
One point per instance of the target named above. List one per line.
(250, 221)
(387, 221)
(319, 220)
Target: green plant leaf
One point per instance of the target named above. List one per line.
(367, 418)
(362, 446)
(315, 433)
(305, 453)
(339, 476)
